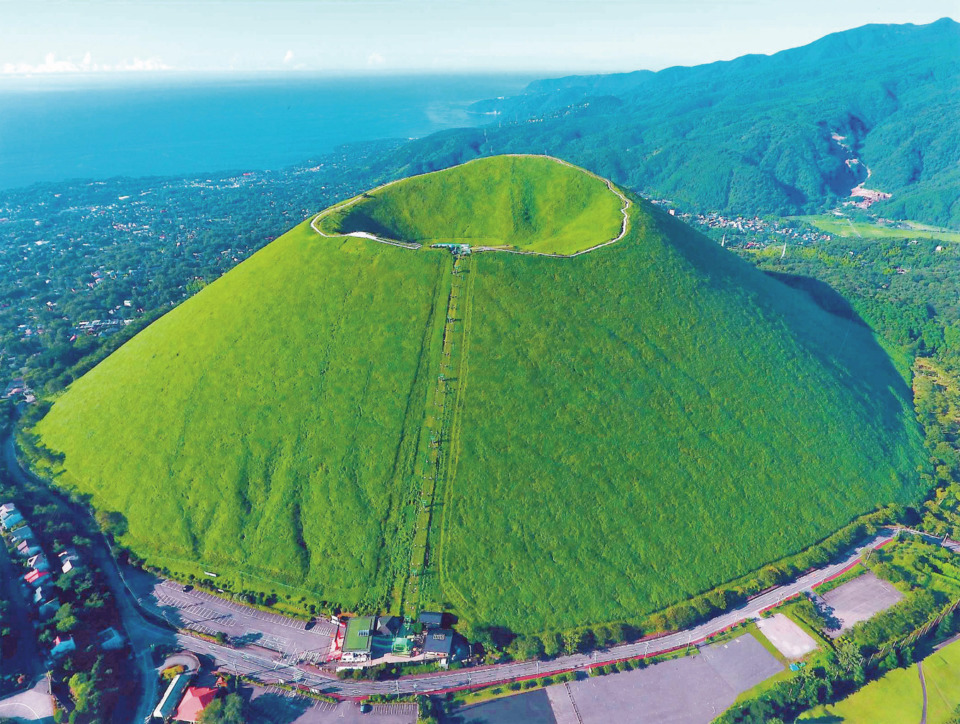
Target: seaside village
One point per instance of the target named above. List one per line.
(41, 571)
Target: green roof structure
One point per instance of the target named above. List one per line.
(359, 636)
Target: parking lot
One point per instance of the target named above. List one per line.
(243, 625)
(681, 691)
(859, 600)
(277, 706)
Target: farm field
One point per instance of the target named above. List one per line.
(898, 697)
(628, 427)
(847, 227)
(521, 202)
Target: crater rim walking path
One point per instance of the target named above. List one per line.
(413, 246)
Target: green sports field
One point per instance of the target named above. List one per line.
(574, 440)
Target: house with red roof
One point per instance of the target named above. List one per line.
(194, 702)
(35, 577)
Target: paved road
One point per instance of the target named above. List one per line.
(135, 628)
(34, 704)
(431, 683)
(27, 659)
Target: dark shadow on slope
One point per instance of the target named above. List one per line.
(822, 294)
(822, 321)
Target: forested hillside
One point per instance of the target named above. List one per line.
(783, 134)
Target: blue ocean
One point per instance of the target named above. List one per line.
(56, 128)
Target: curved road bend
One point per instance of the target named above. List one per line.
(143, 633)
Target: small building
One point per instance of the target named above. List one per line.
(28, 548)
(22, 534)
(194, 702)
(438, 644)
(388, 626)
(41, 594)
(68, 560)
(11, 520)
(431, 619)
(62, 645)
(6, 509)
(455, 249)
(171, 697)
(358, 641)
(110, 639)
(39, 561)
(35, 577)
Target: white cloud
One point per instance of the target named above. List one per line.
(375, 60)
(141, 64)
(50, 64)
(288, 58)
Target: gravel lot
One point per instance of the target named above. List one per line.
(859, 600)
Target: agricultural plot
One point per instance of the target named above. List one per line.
(841, 226)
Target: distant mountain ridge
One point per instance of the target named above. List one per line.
(758, 134)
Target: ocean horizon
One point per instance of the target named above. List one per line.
(57, 129)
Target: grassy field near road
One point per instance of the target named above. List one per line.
(530, 203)
(898, 698)
(842, 226)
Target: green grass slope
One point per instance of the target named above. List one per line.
(629, 426)
(262, 428)
(531, 203)
(645, 421)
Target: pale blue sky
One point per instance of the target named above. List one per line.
(338, 36)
